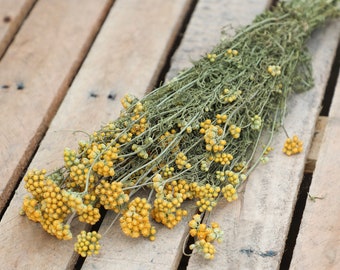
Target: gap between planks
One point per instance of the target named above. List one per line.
(313, 153)
(318, 243)
(256, 226)
(37, 70)
(12, 15)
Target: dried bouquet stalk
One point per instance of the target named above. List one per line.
(196, 137)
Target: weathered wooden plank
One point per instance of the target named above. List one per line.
(12, 14)
(316, 144)
(122, 252)
(209, 19)
(34, 75)
(126, 58)
(158, 22)
(318, 242)
(257, 224)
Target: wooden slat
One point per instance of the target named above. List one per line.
(318, 243)
(12, 14)
(165, 252)
(204, 31)
(154, 28)
(34, 75)
(316, 144)
(256, 225)
(126, 58)
(122, 252)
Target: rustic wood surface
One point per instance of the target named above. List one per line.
(12, 14)
(210, 19)
(318, 243)
(170, 242)
(313, 153)
(36, 72)
(256, 226)
(123, 59)
(66, 70)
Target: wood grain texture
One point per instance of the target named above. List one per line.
(12, 15)
(126, 57)
(257, 224)
(37, 70)
(154, 29)
(316, 144)
(204, 31)
(318, 243)
(122, 252)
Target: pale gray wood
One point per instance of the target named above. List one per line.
(126, 57)
(12, 15)
(210, 18)
(318, 243)
(35, 73)
(256, 225)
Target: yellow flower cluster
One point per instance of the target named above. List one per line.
(107, 131)
(157, 183)
(205, 236)
(78, 175)
(232, 177)
(274, 70)
(111, 195)
(211, 138)
(228, 96)
(138, 118)
(229, 192)
(239, 166)
(204, 165)
(167, 171)
(222, 158)
(135, 221)
(182, 161)
(204, 247)
(180, 188)
(86, 212)
(103, 156)
(127, 101)
(231, 52)
(256, 122)
(207, 196)
(221, 118)
(167, 209)
(54, 210)
(31, 209)
(87, 243)
(211, 57)
(293, 146)
(51, 205)
(235, 131)
(220, 175)
(70, 158)
(34, 182)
